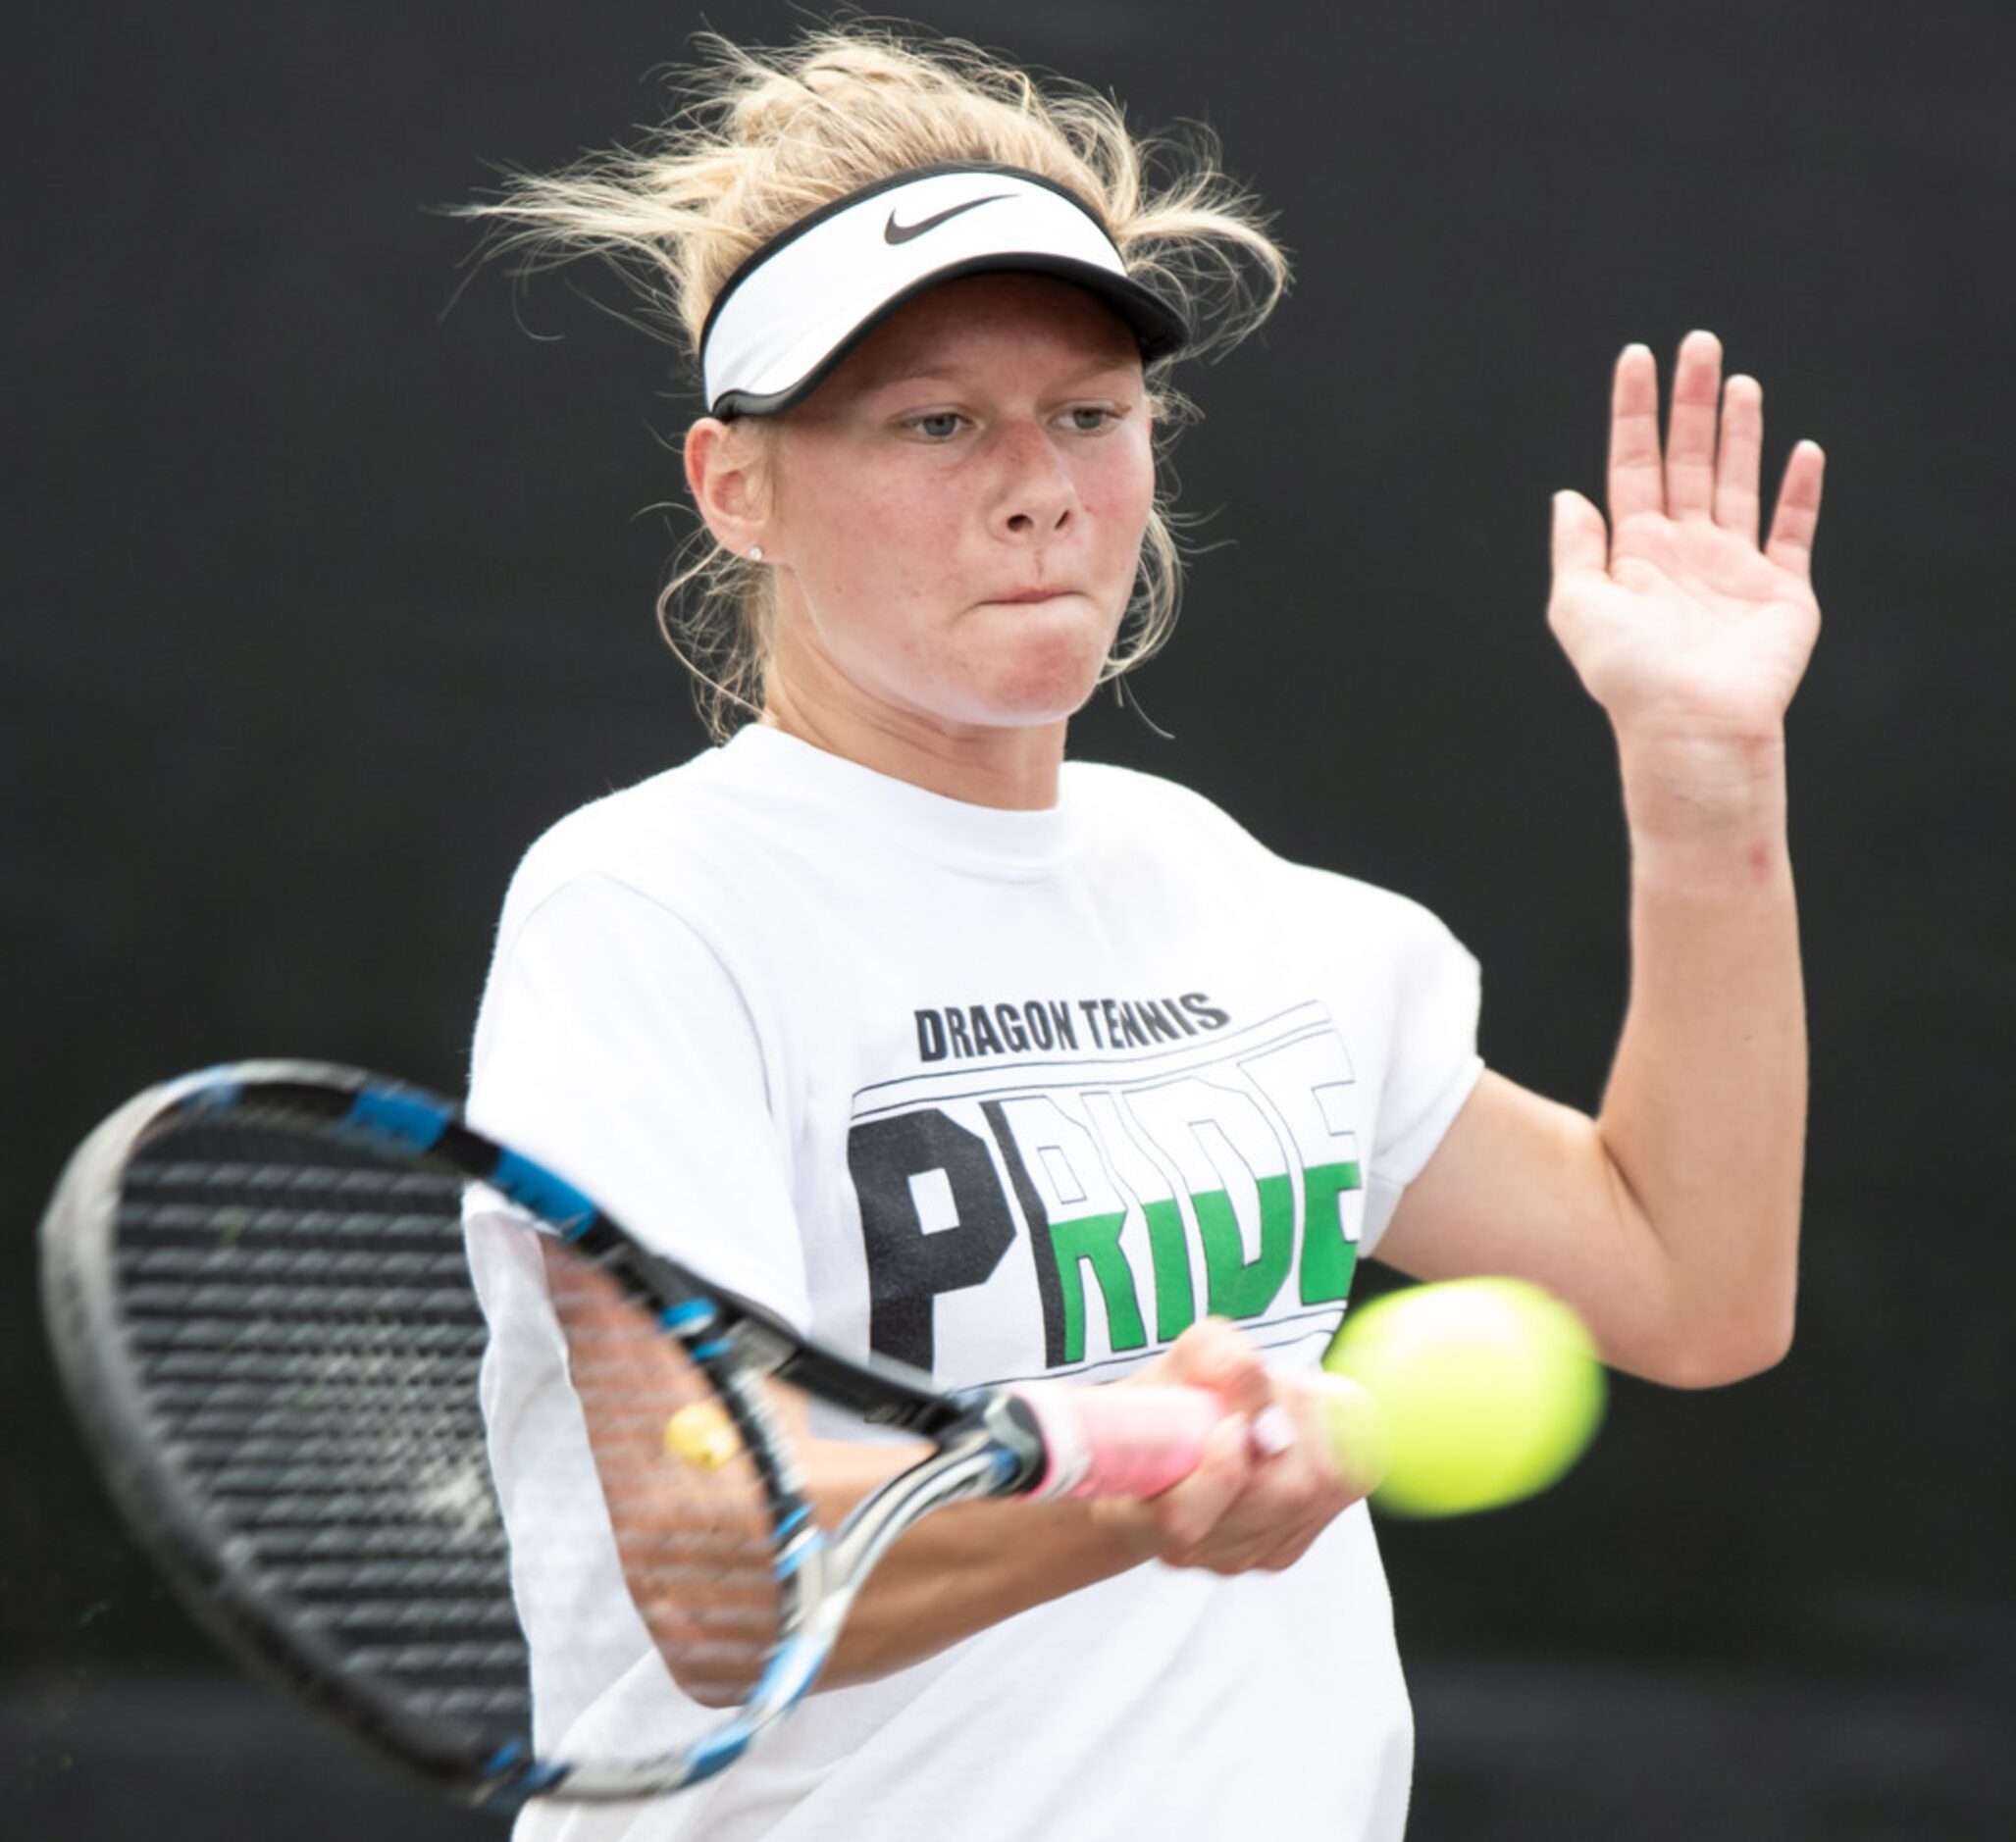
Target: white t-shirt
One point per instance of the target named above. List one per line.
(999, 1094)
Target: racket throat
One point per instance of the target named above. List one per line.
(973, 1463)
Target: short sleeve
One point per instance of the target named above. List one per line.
(613, 1044)
(1433, 1066)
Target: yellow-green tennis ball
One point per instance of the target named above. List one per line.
(1489, 1390)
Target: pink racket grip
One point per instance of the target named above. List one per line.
(1118, 1440)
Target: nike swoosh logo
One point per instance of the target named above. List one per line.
(894, 232)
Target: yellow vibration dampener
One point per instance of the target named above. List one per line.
(702, 1435)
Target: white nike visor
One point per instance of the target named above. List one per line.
(796, 307)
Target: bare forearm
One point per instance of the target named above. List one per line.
(1705, 1114)
(1249, 1502)
(1670, 1221)
(1252, 1501)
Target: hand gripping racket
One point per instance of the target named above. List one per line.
(258, 1287)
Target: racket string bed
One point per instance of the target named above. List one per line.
(311, 1344)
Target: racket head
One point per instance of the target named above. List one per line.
(257, 1291)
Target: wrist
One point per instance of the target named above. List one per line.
(1120, 1532)
(1705, 809)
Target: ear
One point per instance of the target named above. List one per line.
(727, 469)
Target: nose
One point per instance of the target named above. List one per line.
(1038, 497)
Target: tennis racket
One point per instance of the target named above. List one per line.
(258, 1284)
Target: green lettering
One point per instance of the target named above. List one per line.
(1236, 1287)
(1096, 1239)
(1327, 1258)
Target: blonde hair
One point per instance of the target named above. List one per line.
(763, 137)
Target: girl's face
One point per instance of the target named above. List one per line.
(954, 520)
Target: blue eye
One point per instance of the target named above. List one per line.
(941, 426)
(1091, 419)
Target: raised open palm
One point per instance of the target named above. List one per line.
(1682, 625)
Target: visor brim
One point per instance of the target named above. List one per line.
(1158, 327)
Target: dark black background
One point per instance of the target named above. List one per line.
(325, 595)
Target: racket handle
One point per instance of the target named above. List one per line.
(1118, 1442)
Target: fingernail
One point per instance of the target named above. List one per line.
(1271, 1432)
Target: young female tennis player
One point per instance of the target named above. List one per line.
(1001, 1064)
